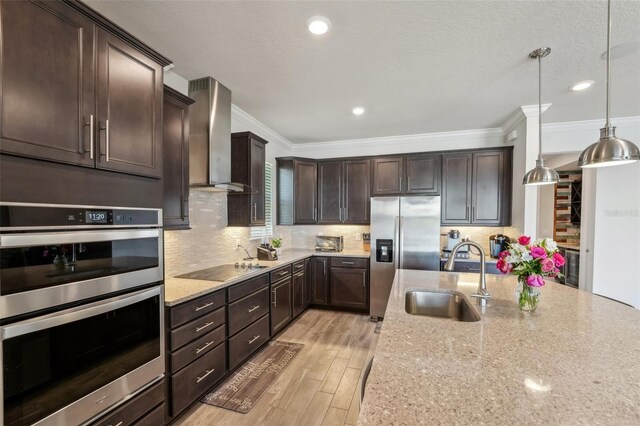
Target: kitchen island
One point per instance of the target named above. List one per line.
(576, 360)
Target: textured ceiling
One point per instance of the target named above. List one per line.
(417, 67)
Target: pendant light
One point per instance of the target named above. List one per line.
(541, 174)
(609, 150)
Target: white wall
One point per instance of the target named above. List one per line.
(577, 135)
(616, 251)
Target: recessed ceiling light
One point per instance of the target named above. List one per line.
(581, 85)
(318, 25)
(358, 111)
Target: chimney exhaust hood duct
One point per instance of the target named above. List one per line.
(210, 137)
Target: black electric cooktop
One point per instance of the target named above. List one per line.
(223, 272)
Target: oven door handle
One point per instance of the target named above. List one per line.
(78, 313)
(53, 238)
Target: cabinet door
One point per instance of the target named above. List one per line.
(319, 278)
(298, 293)
(176, 163)
(281, 305)
(47, 74)
(307, 283)
(423, 174)
(488, 187)
(387, 176)
(349, 287)
(305, 191)
(129, 109)
(357, 194)
(456, 189)
(330, 192)
(257, 158)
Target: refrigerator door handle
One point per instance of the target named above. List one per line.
(396, 238)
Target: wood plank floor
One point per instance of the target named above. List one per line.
(322, 384)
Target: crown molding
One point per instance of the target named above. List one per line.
(572, 126)
(525, 111)
(259, 128)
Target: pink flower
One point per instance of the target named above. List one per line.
(504, 267)
(503, 254)
(538, 253)
(548, 265)
(558, 259)
(535, 281)
(524, 240)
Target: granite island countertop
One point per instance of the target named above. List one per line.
(576, 360)
(179, 290)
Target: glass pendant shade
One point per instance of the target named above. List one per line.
(540, 175)
(609, 151)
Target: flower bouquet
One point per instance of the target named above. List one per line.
(531, 261)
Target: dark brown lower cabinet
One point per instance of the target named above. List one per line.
(247, 341)
(298, 293)
(319, 280)
(307, 283)
(281, 304)
(140, 410)
(349, 287)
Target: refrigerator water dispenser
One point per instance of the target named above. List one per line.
(384, 251)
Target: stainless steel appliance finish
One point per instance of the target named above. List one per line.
(329, 243)
(405, 234)
(52, 390)
(266, 253)
(100, 250)
(482, 284)
(210, 137)
(497, 244)
(440, 304)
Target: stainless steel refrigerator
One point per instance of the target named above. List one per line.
(405, 234)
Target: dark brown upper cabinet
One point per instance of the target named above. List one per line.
(387, 176)
(476, 188)
(344, 191)
(297, 194)
(47, 71)
(423, 174)
(176, 159)
(248, 155)
(76, 92)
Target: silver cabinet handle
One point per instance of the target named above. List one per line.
(206, 305)
(348, 263)
(119, 424)
(106, 134)
(184, 210)
(253, 309)
(199, 379)
(315, 210)
(473, 213)
(91, 133)
(274, 302)
(199, 329)
(466, 215)
(283, 273)
(254, 339)
(255, 212)
(204, 347)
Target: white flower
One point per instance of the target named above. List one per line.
(550, 244)
(526, 257)
(518, 248)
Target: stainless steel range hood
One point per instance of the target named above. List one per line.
(210, 137)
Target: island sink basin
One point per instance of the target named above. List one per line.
(440, 304)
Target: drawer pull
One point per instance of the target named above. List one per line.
(199, 379)
(206, 305)
(254, 339)
(119, 424)
(198, 329)
(299, 266)
(283, 273)
(274, 302)
(348, 263)
(253, 309)
(204, 347)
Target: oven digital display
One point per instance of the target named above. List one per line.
(96, 216)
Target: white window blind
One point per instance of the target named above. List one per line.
(258, 231)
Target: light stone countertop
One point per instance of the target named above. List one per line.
(179, 290)
(576, 360)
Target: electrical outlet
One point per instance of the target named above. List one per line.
(358, 237)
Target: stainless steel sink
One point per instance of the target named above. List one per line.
(440, 304)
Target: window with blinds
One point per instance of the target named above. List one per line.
(258, 231)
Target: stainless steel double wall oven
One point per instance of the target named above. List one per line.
(81, 310)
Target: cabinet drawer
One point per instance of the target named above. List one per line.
(247, 341)
(191, 382)
(193, 309)
(350, 262)
(248, 309)
(280, 273)
(154, 418)
(298, 266)
(185, 334)
(136, 408)
(197, 348)
(247, 287)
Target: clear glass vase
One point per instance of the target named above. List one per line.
(527, 297)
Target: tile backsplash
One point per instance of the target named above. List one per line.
(479, 234)
(305, 236)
